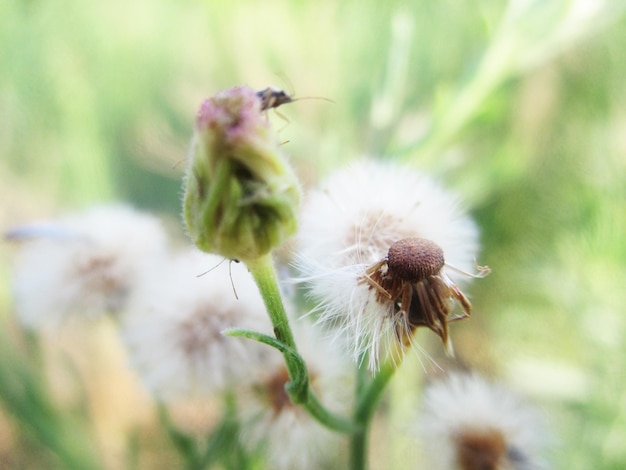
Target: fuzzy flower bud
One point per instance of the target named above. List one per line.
(241, 197)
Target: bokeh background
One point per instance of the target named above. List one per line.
(520, 106)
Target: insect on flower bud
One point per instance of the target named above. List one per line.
(241, 196)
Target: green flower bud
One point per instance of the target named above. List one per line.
(241, 197)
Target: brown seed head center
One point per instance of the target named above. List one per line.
(278, 397)
(480, 450)
(414, 259)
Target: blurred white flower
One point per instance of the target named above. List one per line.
(467, 423)
(173, 327)
(83, 265)
(382, 249)
(287, 435)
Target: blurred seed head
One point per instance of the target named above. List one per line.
(468, 423)
(83, 265)
(173, 328)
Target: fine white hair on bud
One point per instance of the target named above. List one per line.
(468, 423)
(284, 432)
(83, 265)
(173, 327)
(383, 250)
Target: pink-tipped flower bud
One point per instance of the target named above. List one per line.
(241, 196)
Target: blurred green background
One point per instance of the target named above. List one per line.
(520, 106)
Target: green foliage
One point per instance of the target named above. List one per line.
(30, 402)
(523, 114)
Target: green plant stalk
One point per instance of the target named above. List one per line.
(298, 388)
(262, 270)
(328, 419)
(368, 399)
(368, 393)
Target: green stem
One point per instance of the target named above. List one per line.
(368, 399)
(298, 388)
(262, 270)
(328, 419)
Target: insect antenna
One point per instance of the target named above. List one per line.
(230, 273)
(313, 98)
(212, 269)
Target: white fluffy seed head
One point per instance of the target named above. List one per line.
(173, 327)
(360, 211)
(350, 223)
(83, 265)
(466, 422)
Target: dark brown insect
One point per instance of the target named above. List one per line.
(411, 277)
(272, 97)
